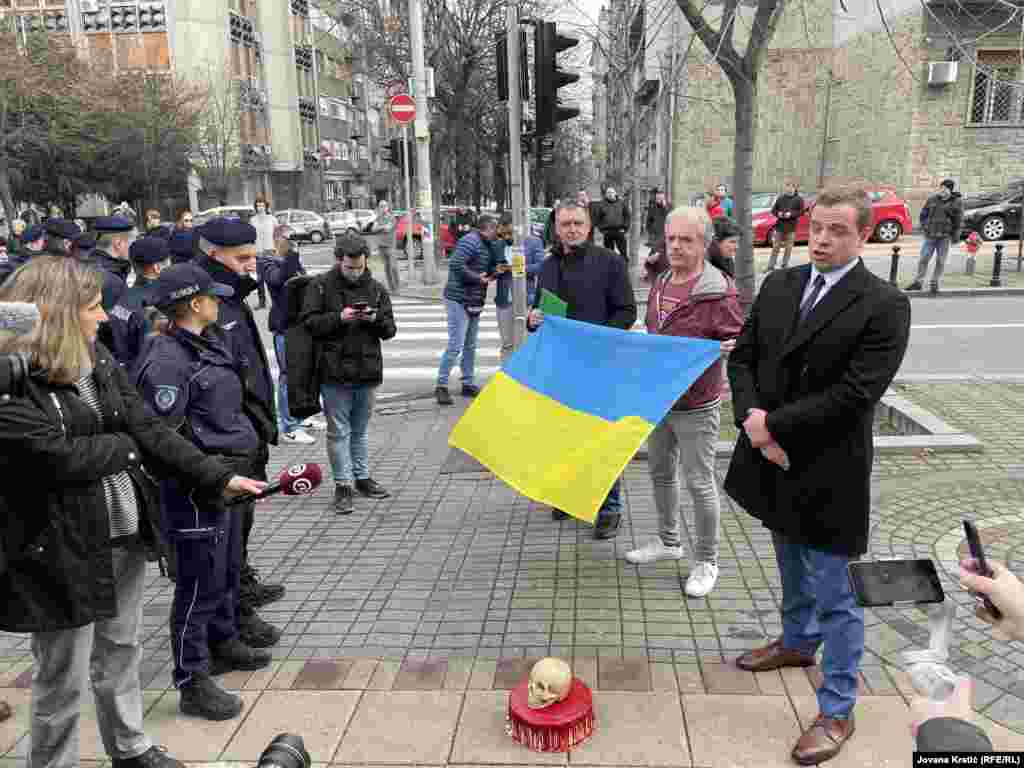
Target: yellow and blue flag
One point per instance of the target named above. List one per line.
(572, 406)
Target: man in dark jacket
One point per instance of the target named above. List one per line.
(941, 219)
(656, 214)
(464, 296)
(613, 218)
(131, 319)
(787, 209)
(820, 347)
(275, 271)
(349, 314)
(228, 249)
(33, 241)
(594, 282)
(115, 236)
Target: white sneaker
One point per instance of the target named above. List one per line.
(299, 437)
(314, 423)
(702, 579)
(653, 551)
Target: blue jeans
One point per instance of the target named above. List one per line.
(462, 333)
(612, 506)
(938, 246)
(348, 410)
(284, 418)
(818, 606)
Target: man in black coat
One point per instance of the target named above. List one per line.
(594, 282)
(821, 345)
(787, 209)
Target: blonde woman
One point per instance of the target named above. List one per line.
(76, 516)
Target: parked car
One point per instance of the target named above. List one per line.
(243, 212)
(342, 221)
(891, 219)
(446, 241)
(305, 225)
(762, 201)
(994, 216)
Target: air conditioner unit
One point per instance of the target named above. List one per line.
(942, 72)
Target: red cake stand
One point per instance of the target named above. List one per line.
(557, 728)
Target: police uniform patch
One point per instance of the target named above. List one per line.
(121, 313)
(165, 398)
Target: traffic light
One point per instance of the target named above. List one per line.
(549, 78)
(393, 152)
(501, 62)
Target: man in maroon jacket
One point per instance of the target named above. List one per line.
(694, 299)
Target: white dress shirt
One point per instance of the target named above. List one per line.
(831, 278)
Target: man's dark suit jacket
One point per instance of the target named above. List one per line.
(819, 383)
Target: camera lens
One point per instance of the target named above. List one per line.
(285, 751)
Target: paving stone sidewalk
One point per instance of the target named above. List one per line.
(406, 622)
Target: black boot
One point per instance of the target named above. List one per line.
(557, 514)
(443, 396)
(202, 697)
(607, 526)
(256, 595)
(372, 489)
(154, 757)
(470, 390)
(344, 501)
(255, 632)
(233, 655)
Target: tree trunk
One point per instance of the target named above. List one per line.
(6, 196)
(745, 95)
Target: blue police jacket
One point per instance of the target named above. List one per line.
(128, 323)
(245, 345)
(195, 385)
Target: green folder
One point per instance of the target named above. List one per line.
(551, 304)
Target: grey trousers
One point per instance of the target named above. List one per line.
(107, 653)
(506, 329)
(687, 438)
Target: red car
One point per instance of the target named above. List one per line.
(891, 219)
(446, 241)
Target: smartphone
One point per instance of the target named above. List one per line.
(892, 582)
(978, 553)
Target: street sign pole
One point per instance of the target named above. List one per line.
(515, 116)
(425, 200)
(410, 207)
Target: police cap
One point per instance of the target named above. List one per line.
(182, 282)
(181, 242)
(149, 250)
(62, 228)
(113, 224)
(33, 233)
(228, 232)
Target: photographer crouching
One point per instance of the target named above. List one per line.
(75, 545)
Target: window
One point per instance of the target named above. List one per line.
(325, 108)
(344, 150)
(998, 98)
(336, 111)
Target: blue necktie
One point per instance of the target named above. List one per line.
(808, 305)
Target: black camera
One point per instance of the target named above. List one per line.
(285, 751)
(13, 375)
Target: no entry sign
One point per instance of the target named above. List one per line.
(402, 108)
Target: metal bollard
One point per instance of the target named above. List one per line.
(997, 268)
(894, 270)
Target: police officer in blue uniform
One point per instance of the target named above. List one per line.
(60, 233)
(228, 253)
(182, 245)
(130, 320)
(189, 377)
(115, 237)
(33, 240)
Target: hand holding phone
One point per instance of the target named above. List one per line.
(982, 566)
(892, 582)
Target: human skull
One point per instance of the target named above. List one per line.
(550, 680)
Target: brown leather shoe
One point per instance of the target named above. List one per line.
(823, 740)
(773, 656)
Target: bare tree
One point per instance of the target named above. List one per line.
(218, 151)
(742, 72)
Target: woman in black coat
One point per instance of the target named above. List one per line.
(77, 515)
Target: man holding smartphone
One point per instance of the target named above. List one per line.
(819, 349)
(349, 314)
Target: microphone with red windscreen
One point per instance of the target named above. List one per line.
(296, 480)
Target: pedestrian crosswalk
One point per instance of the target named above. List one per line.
(412, 357)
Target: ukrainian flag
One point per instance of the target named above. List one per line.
(572, 406)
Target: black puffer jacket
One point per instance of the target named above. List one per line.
(54, 523)
(348, 351)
